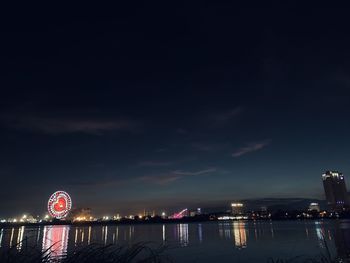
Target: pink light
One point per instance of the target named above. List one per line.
(179, 215)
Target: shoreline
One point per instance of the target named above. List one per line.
(149, 222)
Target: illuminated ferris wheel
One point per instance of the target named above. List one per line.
(59, 204)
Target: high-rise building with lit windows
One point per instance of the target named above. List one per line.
(314, 207)
(237, 208)
(335, 190)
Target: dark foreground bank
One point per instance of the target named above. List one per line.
(138, 252)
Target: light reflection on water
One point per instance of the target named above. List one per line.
(20, 238)
(200, 233)
(320, 233)
(55, 240)
(202, 242)
(1, 234)
(183, 234)
(240, 235)
(11, 239)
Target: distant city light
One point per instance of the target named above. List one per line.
(83, 218)
(232, 217)
(60, 204)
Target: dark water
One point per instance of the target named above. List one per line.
(199, 242)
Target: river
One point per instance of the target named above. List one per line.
(237, 241)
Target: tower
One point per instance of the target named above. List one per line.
(237, 209)
(335, 190)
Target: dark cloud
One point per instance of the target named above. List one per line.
(63, 125)
(173, 176)
(155, 163)
(162, 179)
(226, 116)
(250, 147)
(187, 173)
(209, 147)
(181, 131)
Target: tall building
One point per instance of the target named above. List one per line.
(237, 208)
(314, 207)
(335, 190)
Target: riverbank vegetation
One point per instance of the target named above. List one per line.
(136, 253)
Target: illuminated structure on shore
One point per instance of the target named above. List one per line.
(180, 215)
(59, 205)
(335, 190)
(314, 207)
(237, 208)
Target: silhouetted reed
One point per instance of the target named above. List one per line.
(136, 253)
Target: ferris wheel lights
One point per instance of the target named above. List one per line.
(59, 205)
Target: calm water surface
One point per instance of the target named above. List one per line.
(199, 242)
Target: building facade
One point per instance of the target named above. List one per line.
(314, 207)
(335, 190)
(237, 209)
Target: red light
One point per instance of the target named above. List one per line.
(59, 204)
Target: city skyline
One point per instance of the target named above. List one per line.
(336, 199)
(154, 106)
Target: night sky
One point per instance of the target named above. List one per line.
(167, 106)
